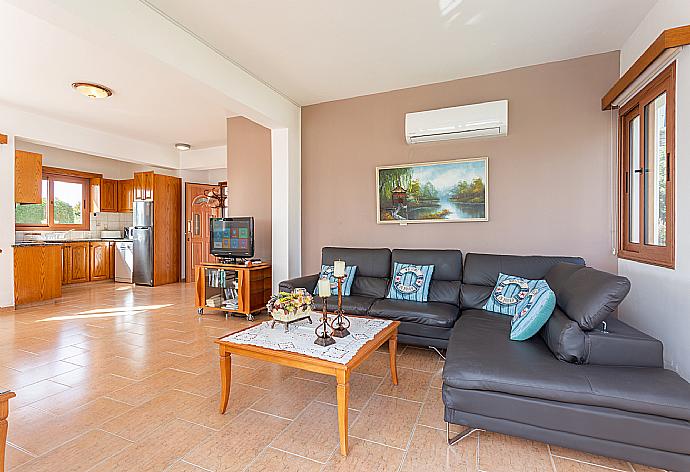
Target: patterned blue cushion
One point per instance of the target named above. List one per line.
(529, 302)
(327, 271)
(410, 282)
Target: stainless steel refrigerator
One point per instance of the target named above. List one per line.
(142, 237)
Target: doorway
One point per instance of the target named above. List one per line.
(197, 227)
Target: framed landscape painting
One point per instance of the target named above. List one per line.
(433, 192)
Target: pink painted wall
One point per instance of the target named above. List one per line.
(549, 179)
(249, 178)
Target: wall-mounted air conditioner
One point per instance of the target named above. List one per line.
(467, 121)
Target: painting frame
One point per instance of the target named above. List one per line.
(484, 160)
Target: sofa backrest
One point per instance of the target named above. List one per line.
(373, 268)
(482, 270)
(447, 275)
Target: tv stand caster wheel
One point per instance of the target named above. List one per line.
(250, 317)
(200, 311)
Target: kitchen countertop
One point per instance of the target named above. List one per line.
(66, 241)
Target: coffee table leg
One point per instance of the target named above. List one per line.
(393, 350)
(225, 374)
(343, 390)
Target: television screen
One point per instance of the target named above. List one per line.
(232, 237)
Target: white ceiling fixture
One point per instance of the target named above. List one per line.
(183, 146)
(92, 90)
(315, 51)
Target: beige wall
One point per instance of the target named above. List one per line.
(249, 178)
(549, 179)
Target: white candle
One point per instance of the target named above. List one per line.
(324, 288)
(338, 268)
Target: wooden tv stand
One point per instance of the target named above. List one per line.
(253, 287)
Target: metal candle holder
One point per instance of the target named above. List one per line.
(338, 324)
(323, 338)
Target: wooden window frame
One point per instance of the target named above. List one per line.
(53, 174)
(663, 256)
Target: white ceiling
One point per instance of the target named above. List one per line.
(151, 102)
(320, 50)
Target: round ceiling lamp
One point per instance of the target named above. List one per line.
(92, 90)
(183, 146)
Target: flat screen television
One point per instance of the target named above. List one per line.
(232, 237)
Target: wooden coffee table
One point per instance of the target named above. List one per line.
(302, 361)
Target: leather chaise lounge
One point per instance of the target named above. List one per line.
(597, 388)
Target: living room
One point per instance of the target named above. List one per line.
(441, 236)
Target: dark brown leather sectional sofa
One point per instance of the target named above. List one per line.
(600, 389)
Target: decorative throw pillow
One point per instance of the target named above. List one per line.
(327, 271)
(410, 282)
(529, 302)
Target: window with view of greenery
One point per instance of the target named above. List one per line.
(62, 206)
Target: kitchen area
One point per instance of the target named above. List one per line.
(76, 225)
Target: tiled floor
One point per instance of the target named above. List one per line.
(115, 378)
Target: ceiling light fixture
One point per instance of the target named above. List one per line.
(183, 146)
(92, 90)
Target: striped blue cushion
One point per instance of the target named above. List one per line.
(529, 302)
(410, 282)
(327, 271)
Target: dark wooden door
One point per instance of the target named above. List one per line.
(197, 228)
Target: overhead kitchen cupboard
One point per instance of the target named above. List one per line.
(125, 195)
(28, 173)
(104, 197)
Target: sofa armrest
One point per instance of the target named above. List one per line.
(307, 282)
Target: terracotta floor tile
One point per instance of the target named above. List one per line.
(362, 387)
(366, 456)
(314, 434)
(429, 451)
(419, 359)
(142, 391)
(157, 451)
(290, 399)
(432, 412)
(81, 394)
(38, 391)
(206, 384)
(236, 445)
(146, 335)
(387, 420)
(591, 458)
(14, 457)
(566, 465)
(377, 364)
(142, 420)
(79, 454)
(412, 385)
(181, 466)
(206, 413)
(645, 468)
(56, 430)
(273, 459)
(501, 453)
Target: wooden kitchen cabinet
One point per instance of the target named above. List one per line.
(111, 260)
(37, 274)
(109, 198)
(28, 173)
(104, 197)
(80, 262)
(143, 185)
(125, 195)
(66, 264)
(99, 260)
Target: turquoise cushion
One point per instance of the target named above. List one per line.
(327, 271)
(529, 302)
(410, 282)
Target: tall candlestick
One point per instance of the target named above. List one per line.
(324, 288)
(338, 268)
